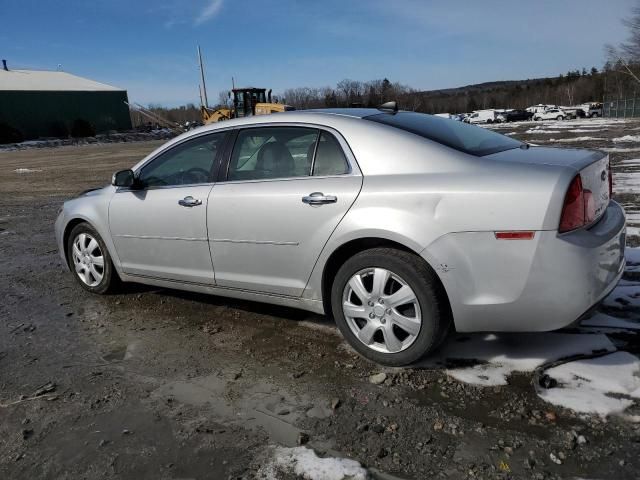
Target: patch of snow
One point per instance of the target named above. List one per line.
(628, 138)
(634, 162)
(623, 296)
(607, 321)
(545, 132)
(586, 385)
(305, 463)
(575, 139)
(26, 170)
(632, 256)
(633, 231)
(499, 355)
(626, 182)
(622, 150)
(586, 130)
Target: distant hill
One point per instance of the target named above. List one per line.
(572, 89)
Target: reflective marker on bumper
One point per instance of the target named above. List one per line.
(514, 235)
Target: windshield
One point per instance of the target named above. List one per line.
(451, 133)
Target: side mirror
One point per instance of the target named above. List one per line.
(123, 178)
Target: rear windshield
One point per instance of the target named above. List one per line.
(452, 133)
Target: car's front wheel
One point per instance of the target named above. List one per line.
(390, 306)
(89, 260)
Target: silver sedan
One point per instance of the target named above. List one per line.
(401, 225)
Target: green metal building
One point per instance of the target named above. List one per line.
(49, 104)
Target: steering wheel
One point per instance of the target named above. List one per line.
(195, 175)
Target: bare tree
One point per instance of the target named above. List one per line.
(626, 56)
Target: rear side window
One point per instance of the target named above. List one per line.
(451, 133)
(330, 159)
(267, 153)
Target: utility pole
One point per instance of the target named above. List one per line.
(204, 86)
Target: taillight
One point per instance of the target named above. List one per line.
(573, 210)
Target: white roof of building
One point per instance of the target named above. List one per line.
(35, 80)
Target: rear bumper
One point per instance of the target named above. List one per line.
(529, 285)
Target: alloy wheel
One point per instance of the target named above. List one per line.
(381, 310)
(88, 260)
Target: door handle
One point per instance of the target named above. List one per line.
(319, 198)
(189, 202)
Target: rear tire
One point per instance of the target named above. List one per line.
(559, 117)
(89, 260)
(390, 306)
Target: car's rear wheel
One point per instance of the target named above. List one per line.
(390, 306)
(559, 117)
(89, 260)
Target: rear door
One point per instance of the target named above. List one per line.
(285, 191)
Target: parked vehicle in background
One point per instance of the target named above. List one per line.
(541, 107)
(551, 114)
(592, 109)
(464, 229)
(515, 116)
(482, 116)
(573, 112)
(444, 115)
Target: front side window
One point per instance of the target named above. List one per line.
(274, 152)
(189, 163)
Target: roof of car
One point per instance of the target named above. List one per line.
(347, 112)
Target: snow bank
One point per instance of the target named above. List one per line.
(501, 355)
(26, 170)
(586, 385)
(305, 463)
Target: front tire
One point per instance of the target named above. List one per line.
(390, 306)
(89, 260)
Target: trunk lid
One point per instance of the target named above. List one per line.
(592, 165)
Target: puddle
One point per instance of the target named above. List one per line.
(261, 405)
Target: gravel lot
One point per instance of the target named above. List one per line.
(162, 384)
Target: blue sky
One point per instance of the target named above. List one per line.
(149, 47)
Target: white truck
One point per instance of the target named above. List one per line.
(482, 116)
(592, 109)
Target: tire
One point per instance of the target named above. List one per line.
(84, 260)
(559, 117)
(489, 121)
(536, 119)
(427, 313)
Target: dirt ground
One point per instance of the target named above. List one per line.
(163, 384)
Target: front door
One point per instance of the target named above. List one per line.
(287, 189)
(160, 229)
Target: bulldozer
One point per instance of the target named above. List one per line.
(246, 102)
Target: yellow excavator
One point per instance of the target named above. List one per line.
(246, 102)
